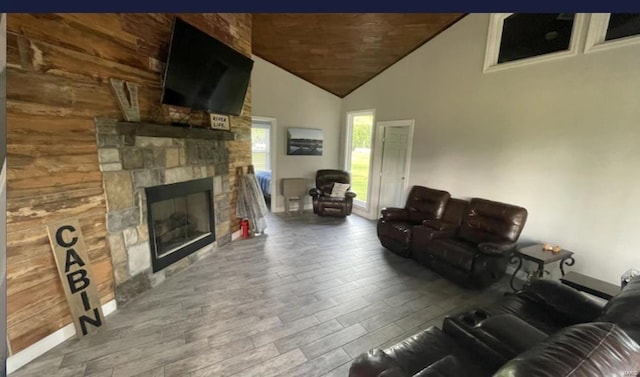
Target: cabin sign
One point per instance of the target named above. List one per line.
(80, 288)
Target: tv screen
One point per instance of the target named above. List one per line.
(203, 73)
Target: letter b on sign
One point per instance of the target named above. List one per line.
(77, 281)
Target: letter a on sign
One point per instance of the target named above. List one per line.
(78, 283)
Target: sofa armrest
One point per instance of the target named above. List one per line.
(496, 249)
(447, 366)
(496, 338)
(350, 194)
(512, 334)
(569, 302)
(395, 214)
(438, 224)
(376, 363)
(314, 192)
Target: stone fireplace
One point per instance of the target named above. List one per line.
(182, 175)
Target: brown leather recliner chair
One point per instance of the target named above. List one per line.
(324, 204)
(395, 225)
(477, 253)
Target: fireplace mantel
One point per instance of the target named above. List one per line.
(172, 131)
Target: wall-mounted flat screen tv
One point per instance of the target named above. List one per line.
(203, 73)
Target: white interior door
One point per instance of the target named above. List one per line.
(396, 154)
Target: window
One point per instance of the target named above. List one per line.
(260, 140)
(516, 39)
(612, 30)
(359, 135)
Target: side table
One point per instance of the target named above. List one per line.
(590, 285)
(294, 189)
(534, 253)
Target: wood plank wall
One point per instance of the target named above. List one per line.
(3, 191)
(58, 67)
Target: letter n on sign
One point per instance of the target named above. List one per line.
(77, 280)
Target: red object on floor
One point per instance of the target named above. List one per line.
(244, 227)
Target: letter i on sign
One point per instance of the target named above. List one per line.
(74, 268)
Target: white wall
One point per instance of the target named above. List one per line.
(294, 102)
(560, 138)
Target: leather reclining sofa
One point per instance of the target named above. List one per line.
(469, 242)
(547, 329)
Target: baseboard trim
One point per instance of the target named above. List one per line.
(20, 359)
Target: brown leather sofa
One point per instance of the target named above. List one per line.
(467, 241)
(395, 226)
(323, 203)
(547, 329)
(476, 253)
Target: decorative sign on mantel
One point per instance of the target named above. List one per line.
(219, 122)
(72, 260)
(127, 99)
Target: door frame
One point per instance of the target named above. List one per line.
(375, 209)
(272, 154)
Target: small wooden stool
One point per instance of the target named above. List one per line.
(294, 189)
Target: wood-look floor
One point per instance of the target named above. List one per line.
(303, 299)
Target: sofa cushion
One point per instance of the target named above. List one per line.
(445, 367)
(623, 309)
(563, 300)
(428, 347)
(539, 316)
(330, 199)
(455, 211)
(426, 203)
(454, 252)
(489, 221)
(325, 178)
(588, 349)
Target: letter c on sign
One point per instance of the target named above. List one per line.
(60, 240)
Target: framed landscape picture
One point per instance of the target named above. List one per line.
(304, 142)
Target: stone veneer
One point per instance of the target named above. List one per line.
(131, 163)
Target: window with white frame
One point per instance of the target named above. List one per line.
(516, 39)
(358, 153)
(608, 30)
(260, 145)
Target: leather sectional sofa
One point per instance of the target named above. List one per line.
(467, 241)
(547, 329)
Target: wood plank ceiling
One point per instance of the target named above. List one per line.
(339, 52)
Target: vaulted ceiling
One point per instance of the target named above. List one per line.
(341, 51)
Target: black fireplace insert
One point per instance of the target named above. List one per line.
(180, 217)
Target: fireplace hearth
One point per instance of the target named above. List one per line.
(180, 220)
